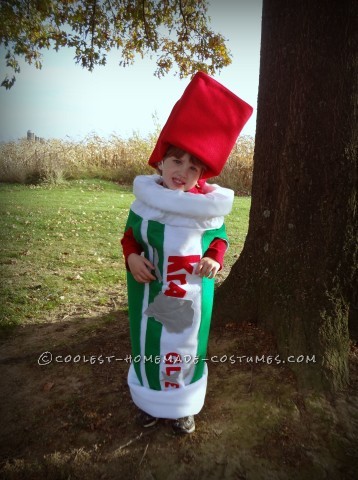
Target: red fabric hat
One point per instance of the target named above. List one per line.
(205, 122)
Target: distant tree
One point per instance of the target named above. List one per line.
(297, 273)
(176, 31)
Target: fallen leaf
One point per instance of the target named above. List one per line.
(48, 386)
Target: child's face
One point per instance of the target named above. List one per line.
(179, 173)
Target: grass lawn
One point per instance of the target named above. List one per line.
(60, 251)
(63, 281)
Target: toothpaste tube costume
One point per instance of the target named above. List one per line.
(170, 316)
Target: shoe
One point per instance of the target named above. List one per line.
(184, 425)
(147, 420)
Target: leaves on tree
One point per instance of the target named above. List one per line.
(175, 31)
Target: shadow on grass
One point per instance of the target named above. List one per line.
(74, 417)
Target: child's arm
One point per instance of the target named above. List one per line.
(138, 266)
(130, 245)
(213, 259)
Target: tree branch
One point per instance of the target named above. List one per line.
(183, 15)
(145, 23)
(113, 12)
(93, 26)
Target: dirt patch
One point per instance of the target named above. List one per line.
(74, 417)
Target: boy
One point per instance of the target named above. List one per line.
(174, 244)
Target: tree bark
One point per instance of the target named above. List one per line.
(297, 273)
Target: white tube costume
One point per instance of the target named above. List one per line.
(170, 317)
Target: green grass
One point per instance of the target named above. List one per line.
(60, 252)
(236, 226)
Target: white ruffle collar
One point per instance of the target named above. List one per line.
(217, 203)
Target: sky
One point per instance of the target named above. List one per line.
(63, 100)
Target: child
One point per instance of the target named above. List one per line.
(174, 244)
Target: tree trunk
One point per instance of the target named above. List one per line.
(297, 272)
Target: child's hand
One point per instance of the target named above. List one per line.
(207, 267)
(140, 268)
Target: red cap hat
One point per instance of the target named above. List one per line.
(205, 122)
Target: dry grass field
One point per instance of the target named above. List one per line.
(116, 159)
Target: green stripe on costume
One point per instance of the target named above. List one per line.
(155, 235)
(135, 297)
(207, 299)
